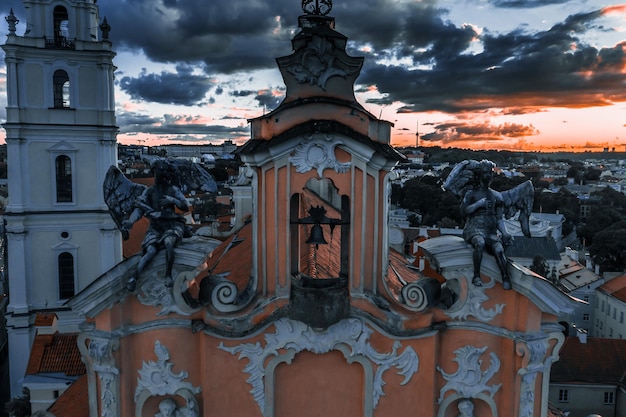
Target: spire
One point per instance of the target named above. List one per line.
(105, 28)
(13, 21)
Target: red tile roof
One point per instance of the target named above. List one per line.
(55, 353)
(616, 288)
(601, 361)
(74, 402)
(45, 319)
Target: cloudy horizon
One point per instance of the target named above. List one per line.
(487, 74)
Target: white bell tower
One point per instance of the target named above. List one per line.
(61, 139)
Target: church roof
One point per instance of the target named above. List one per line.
(453, 253)
(599, 360)
(74, 401)
(55, 353)
(322, 126)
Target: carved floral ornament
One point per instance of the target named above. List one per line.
(318, 62)
(318, 152)
(158, 379)
(470, 380)
(350, 336)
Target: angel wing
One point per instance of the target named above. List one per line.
(520, 198)
(192, 176)
(119, 194)
(461, 177)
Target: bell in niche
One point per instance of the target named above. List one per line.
(317, 236)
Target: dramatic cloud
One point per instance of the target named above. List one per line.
(547, 68)
(449, 133)
(419, 58)
(181, 88)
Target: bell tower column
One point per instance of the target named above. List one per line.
(61, 138)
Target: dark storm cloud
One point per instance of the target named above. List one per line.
(516, 69)
(454, 68)
(226, 35)
(181, 87)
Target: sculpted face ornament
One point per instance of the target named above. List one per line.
(318, 7)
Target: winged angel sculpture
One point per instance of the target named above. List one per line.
(128, 202)
(485, 210)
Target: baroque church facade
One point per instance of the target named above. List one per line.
(305, 310)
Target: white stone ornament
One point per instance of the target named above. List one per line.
(154, 292)
(318, 62)
(350, 336)
(471, 301)
(157, 378)
(469, 380)
(318, 152)
(535, 352)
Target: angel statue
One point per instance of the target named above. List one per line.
(485, 210)
(128, 202)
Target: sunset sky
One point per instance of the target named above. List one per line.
(484, 74)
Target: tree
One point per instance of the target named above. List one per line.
(609, 248)
(19, 406)
(540, 266)
(603, 217)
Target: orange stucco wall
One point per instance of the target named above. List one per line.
(326, 383)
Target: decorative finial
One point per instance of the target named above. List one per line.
(317, 7)
(105, 28)
(12, 21)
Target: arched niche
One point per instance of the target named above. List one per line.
(320, 260)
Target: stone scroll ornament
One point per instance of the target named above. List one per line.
(157, 378)
(471, 301)
(296, 336)
(470, 379)
(104, 365)
(318, 152)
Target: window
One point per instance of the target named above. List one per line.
(564, 395)
(586, 298)
(61, 21)
(609, 397)
(610, 332)
(61, 89)
(621, 316)
(63, 169)
(66, 275)
(602, 306)
(614, 313)
(586, 317)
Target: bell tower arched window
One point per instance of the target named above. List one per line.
(63, 170)
(66, 275)
(61, 87)
(61, 21)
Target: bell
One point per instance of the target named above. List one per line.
(317, 236)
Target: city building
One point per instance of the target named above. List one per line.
(610, 308)
(588, 379)
(61, 139)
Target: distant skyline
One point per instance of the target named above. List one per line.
(532, 75)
